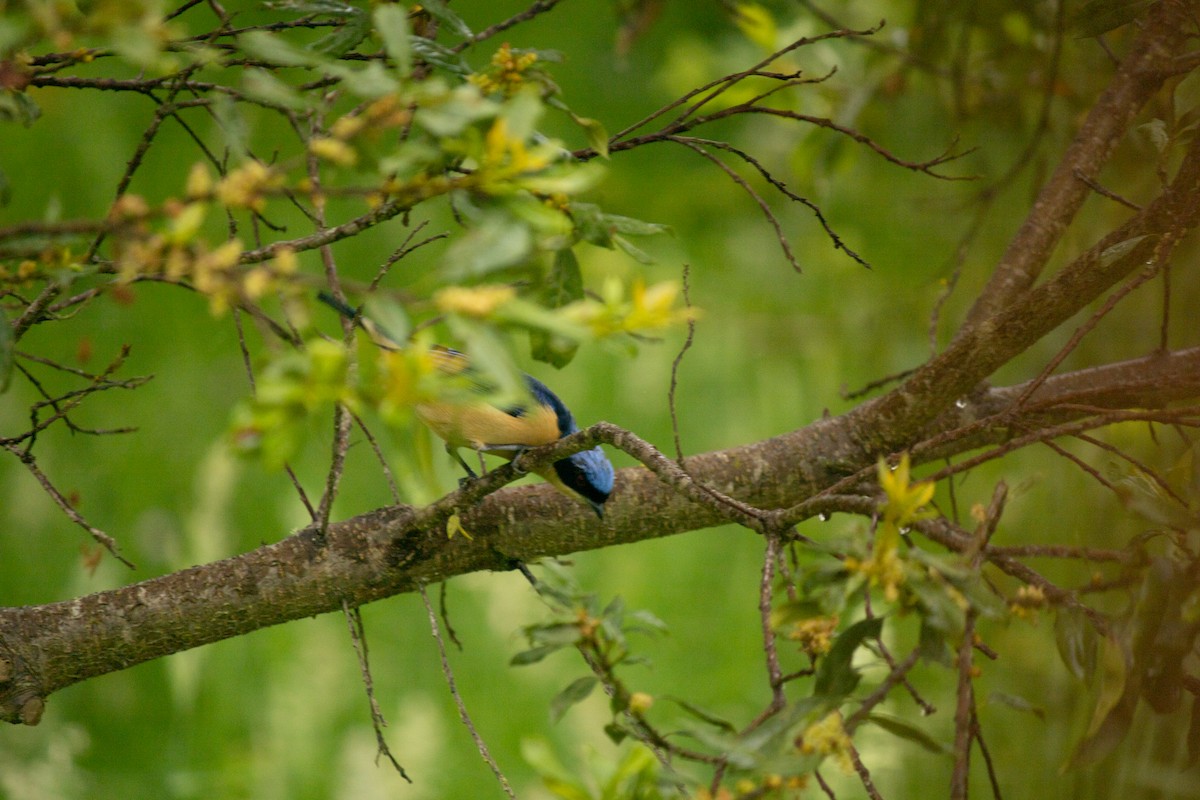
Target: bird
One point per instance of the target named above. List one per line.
(585, 477)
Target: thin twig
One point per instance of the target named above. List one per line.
(825, 787)
(108, 542)
(964, 711)
(538, 7)
(897, 674)
(687, 344)
(993, 778)
(358, 637)
(864, 774)
(748, 189)
(458, 701)
(378, 451)
(836, 240)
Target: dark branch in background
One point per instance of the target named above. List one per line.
(538, 7)
(782, 188)
(693, 145)
(1138, 78)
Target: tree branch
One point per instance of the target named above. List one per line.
(392, 550)
(1137, 79)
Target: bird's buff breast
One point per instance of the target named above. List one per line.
(481, 427)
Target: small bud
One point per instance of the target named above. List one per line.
(333, 150)
(199, 182)
(640, 702)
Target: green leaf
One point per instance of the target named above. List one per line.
(933, 645)
(439, 56)
(557, 634)
(577, 691)
(1147, 499)
(262, 85)
(557, 778)
(900, 728)
(5, 189)
(273, 49)
(491, 360)
(494, 243)
(1115, 703)
(1017, 702)
(589, 224)
(370, 82)
(388, 318)
(6, 353)
(231, 124)
(1114, 253)
(344, 38)
(632, 776)
(391, 22)
(356, 24)
(522, 112)
(563, 285)
(597, 134)
(615, 732)
(13, 30)
(333, 8)
(1101, 16)
(1076, 641)
(647, 621)
(794, 611)
(571, 178)
(615, 610)
(442, 13)
(452, 113)
(534, 654)
(704, 716)
(18, 107)
(836, 676)
(639, 255)
(1156, 131)
(634, 227)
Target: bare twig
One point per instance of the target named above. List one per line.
(687, 344)
(109, 543)
(964, 711)
(755, 196)
(358, 637)
(538, 7)
(864, 774)
(458, 701)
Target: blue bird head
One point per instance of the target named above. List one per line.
(589, 475)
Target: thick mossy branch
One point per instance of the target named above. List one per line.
(392, 550)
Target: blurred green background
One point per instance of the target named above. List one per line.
(282, 713)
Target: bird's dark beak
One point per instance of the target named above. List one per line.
(597, 507)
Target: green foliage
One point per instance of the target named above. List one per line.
(385, 119)
(635, 775)
(836, 676)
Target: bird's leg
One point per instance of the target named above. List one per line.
(516, 461)
(517, 563)
(453, 451)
